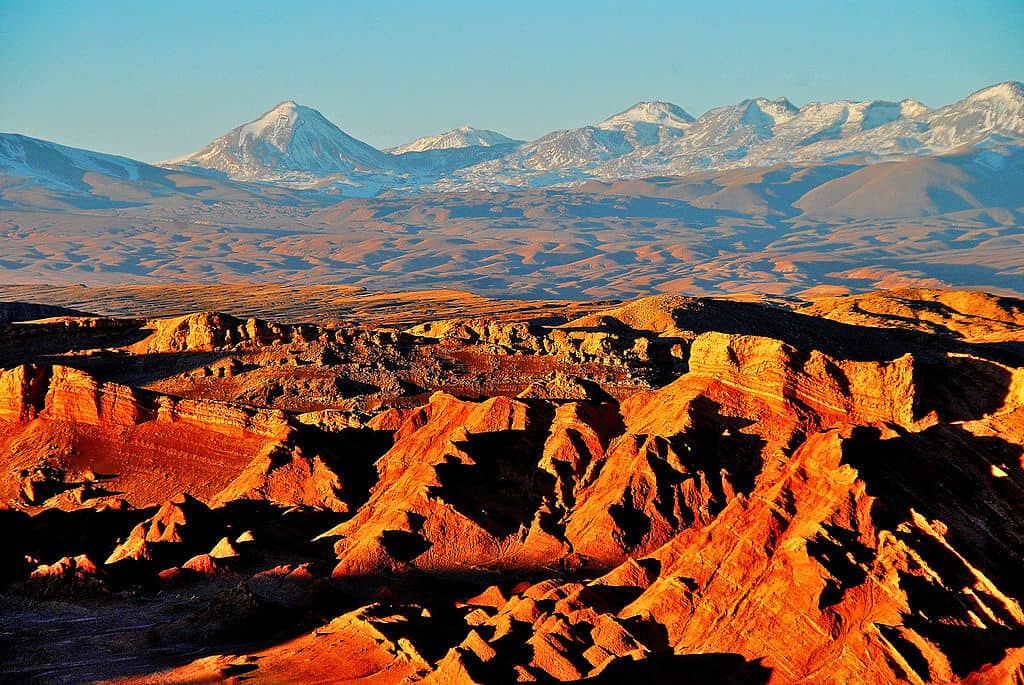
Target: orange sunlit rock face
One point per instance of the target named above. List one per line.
(671, 489)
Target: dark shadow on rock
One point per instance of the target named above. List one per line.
(503, 488)
(53, 534)
(836, 339)
(403, 545)
(349, 387)
(11, 312)
(237, 614)
(23, 343)
(140, 369)
(633, 524)
(958, 388)
(235, 670)
(609, 598)
(714, 442)
(706, 669)
(352, 454)
(512, 650)
(945, 474)
(844, 556)
(908, 650)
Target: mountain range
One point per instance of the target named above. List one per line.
(295, 146)
(758, 197)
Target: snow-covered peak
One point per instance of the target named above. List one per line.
(912, 108)
(463, 136)
(1006, 92)
(778, 110)
(277, 125)
(996, 110)
(284, 141)
(756, 117)
(285, 107)
(652, 112)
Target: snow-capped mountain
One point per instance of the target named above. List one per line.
(573, 154)
(288, 143)
(763, 133)
(756, 132)
(645, 136)
(721, 136)
(464, 136)
(998, 109)
(297, 146)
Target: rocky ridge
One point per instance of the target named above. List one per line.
(745, 492)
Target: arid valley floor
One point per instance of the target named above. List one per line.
(339, 486)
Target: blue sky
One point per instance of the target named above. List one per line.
(156, 80)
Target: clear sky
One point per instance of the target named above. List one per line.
(154, 80)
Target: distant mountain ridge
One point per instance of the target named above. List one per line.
(295, 146)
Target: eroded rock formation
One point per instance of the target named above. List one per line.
(736, 491)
